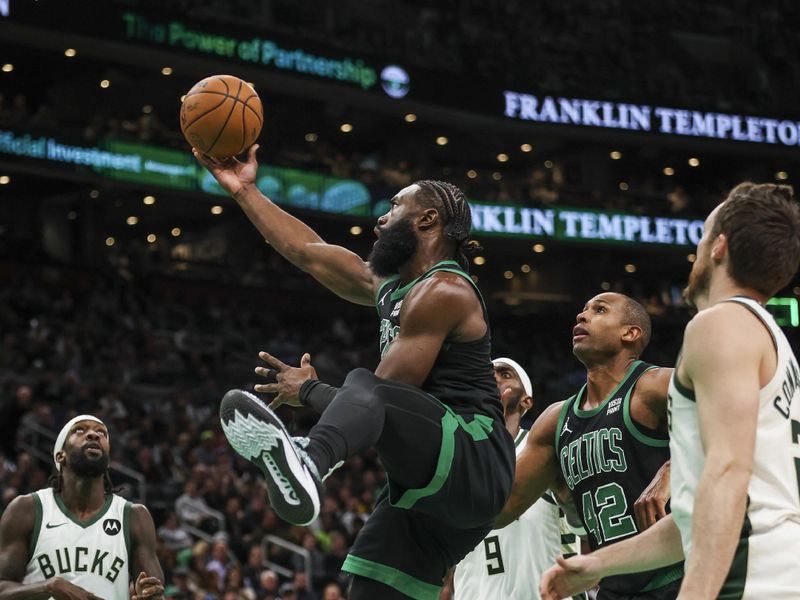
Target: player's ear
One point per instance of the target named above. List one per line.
(61, 458)
(632, 334)
(719, 248)
(526, 403)
(428, 218)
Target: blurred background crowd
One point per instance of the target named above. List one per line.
(143, 304)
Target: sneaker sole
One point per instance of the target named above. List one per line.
(258, 435)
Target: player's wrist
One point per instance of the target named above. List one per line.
(245, 191)
(315, 394)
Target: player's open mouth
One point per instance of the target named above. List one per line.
(579, 333)
(93, 448)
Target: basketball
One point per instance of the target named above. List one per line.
(221, 116)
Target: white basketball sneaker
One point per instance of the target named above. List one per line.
(257, 434)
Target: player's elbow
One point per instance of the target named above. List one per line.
(730, 471)
(507, 516)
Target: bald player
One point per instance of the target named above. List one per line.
(77, 540)
(607, 442)
(506, 565)
(734, 404)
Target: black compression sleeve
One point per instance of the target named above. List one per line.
(316, 394)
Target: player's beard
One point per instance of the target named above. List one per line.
(699, 281)
(84, 466)
(395, 246)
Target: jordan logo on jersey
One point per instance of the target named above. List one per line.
(79, 560)
(112, 526)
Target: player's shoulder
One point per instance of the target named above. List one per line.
(723, 321)
(443, 287)
(655, 380)
(20, 513)
(544, 428)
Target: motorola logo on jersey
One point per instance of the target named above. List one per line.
(111, 526)
(395, 81)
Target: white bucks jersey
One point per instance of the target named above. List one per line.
(767, 559)
(93, 554)
(508, 563)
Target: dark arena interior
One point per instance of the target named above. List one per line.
(591, 140)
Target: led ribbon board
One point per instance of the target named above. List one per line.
(176, 169)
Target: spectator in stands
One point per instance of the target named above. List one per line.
(219, 559)
(192, 508)
(173, 536)
(332, 591)
(268, 585)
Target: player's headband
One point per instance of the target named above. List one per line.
(62, 435)
(523, 376)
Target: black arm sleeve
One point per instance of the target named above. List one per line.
(316, 394)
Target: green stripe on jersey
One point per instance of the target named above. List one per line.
(37, 524)
(402, 582)
(630, 424)
(579, 412)
(733, 588)
(689, 394)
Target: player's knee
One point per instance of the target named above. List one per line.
(360, 385)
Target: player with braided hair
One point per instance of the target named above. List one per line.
(458, 218)
(431, 409)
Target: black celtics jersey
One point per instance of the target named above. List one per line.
(607, 460)
(462, 376)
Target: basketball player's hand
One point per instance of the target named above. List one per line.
(61, 589)
(233, 175)
(569, 577)
(652, 503)
(287, 379)
(147, 587)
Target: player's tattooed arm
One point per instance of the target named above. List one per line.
(537, 467)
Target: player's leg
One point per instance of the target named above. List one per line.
(401, 421)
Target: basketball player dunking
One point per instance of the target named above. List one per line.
(607, 442)
(77, 540)
(431, 409)
(734, 403)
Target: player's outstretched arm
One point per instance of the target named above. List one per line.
(657, 547)
(16, 529)
(537, 467)
(149, 576)
(340, 270)
(726, 385)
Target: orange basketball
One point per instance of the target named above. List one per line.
(221, 116)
